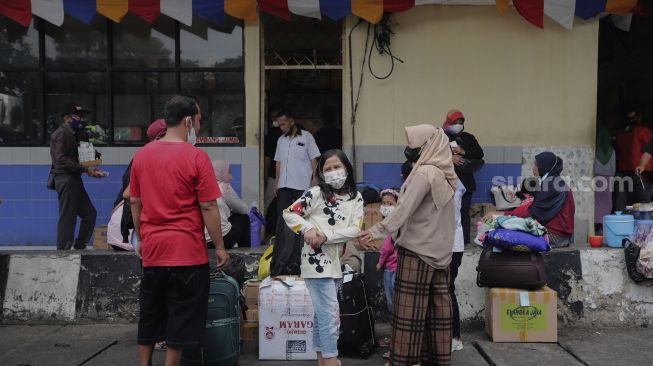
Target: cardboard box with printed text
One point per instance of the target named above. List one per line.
(513, 315)
(285, 316)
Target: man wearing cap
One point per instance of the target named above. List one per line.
(467, 158)
(67, 171)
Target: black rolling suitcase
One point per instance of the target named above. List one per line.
(357, 337)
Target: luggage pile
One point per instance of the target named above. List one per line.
(519, 305)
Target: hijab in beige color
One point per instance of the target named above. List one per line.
(437, 153)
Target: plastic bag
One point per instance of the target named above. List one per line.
(517, 241)
(264, 263)
(645, 260)
(505, 197)
(256, 221)
(482, 229)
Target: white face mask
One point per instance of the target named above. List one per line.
(456, 129)
(335, 178)
(192, 136)
(386, 210)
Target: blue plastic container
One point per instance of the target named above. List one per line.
(616, 228)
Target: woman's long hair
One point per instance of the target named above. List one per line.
(348, 188)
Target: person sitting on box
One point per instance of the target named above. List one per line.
(328, 215)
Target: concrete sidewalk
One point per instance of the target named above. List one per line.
(104, 344)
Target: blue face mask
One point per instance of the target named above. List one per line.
(76, 123)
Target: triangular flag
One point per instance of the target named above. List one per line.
(586, 9)
(212, 10)
(241, 9)
(502, 5)
(370, 10)
(307, 8)
(396, 6)
(622, 23)
(620, 7)
(19, 11)
(562, 11)
(531, 10)
(147, 10)
(84, 10)
(275, 7)
(180, 10)
(50, 10)
(113, 9)
(335, 9)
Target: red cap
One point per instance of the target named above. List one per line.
(157, 129)
(452, 117)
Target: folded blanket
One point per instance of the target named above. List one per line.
(517, 241)
(527, 225)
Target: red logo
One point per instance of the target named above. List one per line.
(269, 333)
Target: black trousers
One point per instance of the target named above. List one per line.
(239, 233)
(288, 245)
(73, 202)
(456, 260)
(465, 219)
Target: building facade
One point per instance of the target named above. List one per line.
(521, 88)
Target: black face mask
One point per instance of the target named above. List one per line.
(411, 154)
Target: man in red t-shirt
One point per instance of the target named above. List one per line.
(173, 194)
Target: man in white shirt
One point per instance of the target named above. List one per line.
(295, 159)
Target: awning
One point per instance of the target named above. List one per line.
(562, 11)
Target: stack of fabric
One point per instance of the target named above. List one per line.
(516, 234)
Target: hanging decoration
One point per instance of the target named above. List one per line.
(561, 11)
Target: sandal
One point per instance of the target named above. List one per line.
(386, 355)
(160, 346)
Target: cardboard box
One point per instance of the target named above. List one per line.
(285, 320)
(251, 315)
(372, 217)
(513, 315)
(250, 291)
(249, 331)
(100, 238)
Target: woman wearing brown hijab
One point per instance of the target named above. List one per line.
(422, 319)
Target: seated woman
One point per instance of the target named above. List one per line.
(233, 211)
(553, 202)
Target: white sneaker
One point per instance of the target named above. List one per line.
(456, 345)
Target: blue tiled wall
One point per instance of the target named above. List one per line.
(387, 175)
(29, 211)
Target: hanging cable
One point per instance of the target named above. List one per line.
(354, 103)
(381, 41)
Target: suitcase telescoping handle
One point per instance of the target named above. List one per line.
(217, 273)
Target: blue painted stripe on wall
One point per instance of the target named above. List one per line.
(29, 211)
(387, 175)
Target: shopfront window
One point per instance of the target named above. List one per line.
(123, 73)
(140, 44)
(20, 112)
(76, 45)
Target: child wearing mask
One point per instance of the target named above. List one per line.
(328, 215)
(388, 260)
